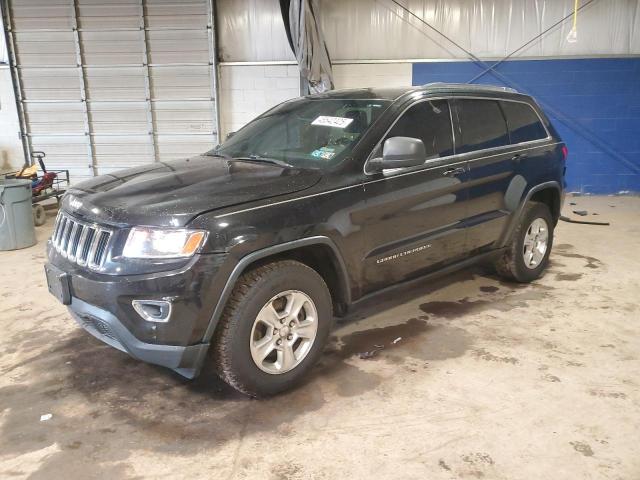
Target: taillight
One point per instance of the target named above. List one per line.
(565, 152)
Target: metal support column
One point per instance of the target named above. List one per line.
(17, 82)
(146, 60)
(83, 89)
(213, 64)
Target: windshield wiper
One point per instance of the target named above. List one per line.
(219, 155)
(259, 159)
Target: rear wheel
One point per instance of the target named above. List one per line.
(273, 329)
(528, 254)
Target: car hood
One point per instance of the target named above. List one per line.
(172, 193)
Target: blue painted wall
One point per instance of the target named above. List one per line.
(593, 103)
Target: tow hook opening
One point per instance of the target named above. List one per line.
(153, 310)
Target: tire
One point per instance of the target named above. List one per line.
(512, 265)
(39, 215)
(239, 334)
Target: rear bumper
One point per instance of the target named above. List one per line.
(185, 360)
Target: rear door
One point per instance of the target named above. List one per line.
(483, 139)
(414, 216)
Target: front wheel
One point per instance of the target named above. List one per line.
(528, 254)
(273, 329)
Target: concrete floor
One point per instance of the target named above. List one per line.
(489, 380)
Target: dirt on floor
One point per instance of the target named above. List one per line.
(464, 377)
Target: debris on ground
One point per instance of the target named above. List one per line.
(572, 203)
(45, 417)
(376, 349)
(369, 354)
(582, 222)
(582, 213)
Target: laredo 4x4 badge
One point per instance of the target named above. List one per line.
(403, 254)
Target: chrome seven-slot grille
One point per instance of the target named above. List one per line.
(83, 243)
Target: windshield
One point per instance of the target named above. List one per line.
(306, 132)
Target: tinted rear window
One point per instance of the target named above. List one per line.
(431, 123)
(524, 124)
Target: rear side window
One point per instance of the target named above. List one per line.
(482, 124)
(524, 124)
(430, 122)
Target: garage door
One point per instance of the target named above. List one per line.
(107, 85)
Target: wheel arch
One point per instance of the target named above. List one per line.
(550, 196)
(318, 252)
(549, 193)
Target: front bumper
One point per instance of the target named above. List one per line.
(186, 360)
(102, 304)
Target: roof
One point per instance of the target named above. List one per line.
(396, 92)
(364, 93)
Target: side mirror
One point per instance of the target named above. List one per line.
(400, 152)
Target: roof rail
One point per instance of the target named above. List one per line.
(469, 86)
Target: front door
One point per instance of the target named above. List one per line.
(414, 217)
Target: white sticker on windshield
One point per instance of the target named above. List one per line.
(337, 122)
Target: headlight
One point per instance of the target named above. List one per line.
(144, 242)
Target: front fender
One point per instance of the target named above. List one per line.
(250, 258)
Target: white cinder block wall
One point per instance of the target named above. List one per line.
(246, 91)
(359, 75)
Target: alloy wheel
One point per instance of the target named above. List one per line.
(536, 242)
(283, 332)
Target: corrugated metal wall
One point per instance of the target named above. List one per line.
(4, 57)
(108, 85)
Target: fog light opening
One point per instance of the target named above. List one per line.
(153, 310)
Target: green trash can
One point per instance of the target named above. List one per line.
(16, 216)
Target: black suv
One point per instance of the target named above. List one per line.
(253, 248)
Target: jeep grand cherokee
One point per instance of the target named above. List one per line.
(242, 257)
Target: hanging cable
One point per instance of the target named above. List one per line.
(573, 34)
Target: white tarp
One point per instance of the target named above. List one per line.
(252, 30)
(309, 45)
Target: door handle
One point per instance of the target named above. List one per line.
(452, 172)
(518, 156)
